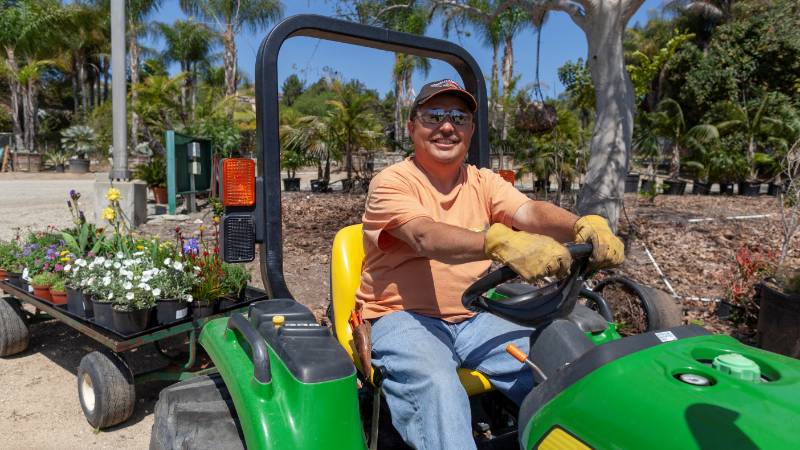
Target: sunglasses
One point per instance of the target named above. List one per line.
(435, 116)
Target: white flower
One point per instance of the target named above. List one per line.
(129, 275)
(189, 298)
(156, 292)
(178, 265)
(67, 267)
(117, 265)
(120, 255)
(127, 263)
(128, 286)
(129, 295)
(110, 295)
(81, 262)
(167, 262)
(75, 269)
(197, 269)
(139, 253)
(106, 281)
(90, 282)
(99, 260)
(107, 264)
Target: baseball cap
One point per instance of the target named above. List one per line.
(435, 88)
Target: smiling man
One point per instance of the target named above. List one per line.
(431, 226)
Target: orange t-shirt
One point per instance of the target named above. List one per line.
(394, 277)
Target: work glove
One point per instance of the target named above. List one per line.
(608, 250)
(532, 256)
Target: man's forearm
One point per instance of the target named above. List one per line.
(547, 219)
(442, 242)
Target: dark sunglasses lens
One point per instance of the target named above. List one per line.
(433, 116)
(459, 118)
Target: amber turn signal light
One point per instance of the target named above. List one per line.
(238, 182)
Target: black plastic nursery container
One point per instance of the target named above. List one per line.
(130, 322)
(200, 310)
(102, 313)
(778, 321)
(171, 310)
(79, 304)
(674, 187)
(749, 189)
(700, 188)
(726, 188)
(632, 182)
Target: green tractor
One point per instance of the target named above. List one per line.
(284, 381)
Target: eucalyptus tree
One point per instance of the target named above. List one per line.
(229, 17)
(189, 43)
(136, 13)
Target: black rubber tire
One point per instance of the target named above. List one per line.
(14, 335)
(105, 389)
(661, 309)
(196, 414)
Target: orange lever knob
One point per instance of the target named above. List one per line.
(518, 354)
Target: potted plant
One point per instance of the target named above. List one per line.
(131, 313)
(77, 275)
(58, 292)
(172, 287)
(234, 282)
(57, 160)
(8, 260)
(98, 287)
(79, 141)
(291, 160)
(41, 285)
(154, 174)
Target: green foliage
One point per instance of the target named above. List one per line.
(153, 173)
(292, 88)
(78, 140)
(235, 279)
(59, 286)
(578, 82)
(83, 240)
(8, 255)
(44, 279)
(646, 68)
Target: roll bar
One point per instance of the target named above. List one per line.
(267, 111)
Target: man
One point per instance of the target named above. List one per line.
(431, 225)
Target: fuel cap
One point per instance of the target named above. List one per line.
(737, 366)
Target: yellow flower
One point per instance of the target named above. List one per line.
(109, 214)
(216, 219)
(65, 259)
(65, 253)
(113, 194)
(140, 247)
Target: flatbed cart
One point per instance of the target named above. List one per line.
(105, 379)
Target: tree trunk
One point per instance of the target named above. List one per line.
(81, 64)
(399, 128)
(31, 105)
(74, 79)
(508, 75)
(603, 190)
(106, 78)
(675, 162)
(751, 158)
(493, 92)
(184, 89)
(134, 55)
(193, 88)
(229, 60)
(16, 98)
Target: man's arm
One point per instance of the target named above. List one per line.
(547, 219)
(440, 241)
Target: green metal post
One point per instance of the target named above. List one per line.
(172, 183)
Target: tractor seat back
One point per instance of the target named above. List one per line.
(347, 257)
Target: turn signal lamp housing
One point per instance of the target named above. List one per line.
(238, 182)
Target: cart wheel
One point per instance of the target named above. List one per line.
(14, 334)
(105, 389)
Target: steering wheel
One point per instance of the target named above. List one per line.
(538, 307)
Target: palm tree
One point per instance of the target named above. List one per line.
(754, 124)
(137, 27)
(229, 17)
(189, 43)
(353, 123)
(511, 22)
(404, 68)
(670, 124)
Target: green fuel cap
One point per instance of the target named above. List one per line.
(737, 366)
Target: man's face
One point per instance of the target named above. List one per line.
(445, 142)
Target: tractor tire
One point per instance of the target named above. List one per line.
(661, 310)
(196, 414)
(14, 335)
(105, 389)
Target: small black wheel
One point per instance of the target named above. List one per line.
(660, 309)
(105, 389)
(14, 335)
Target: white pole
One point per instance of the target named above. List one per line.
(118, 98)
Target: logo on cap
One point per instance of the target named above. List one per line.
(446, 83)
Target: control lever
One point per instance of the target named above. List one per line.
(520, 356)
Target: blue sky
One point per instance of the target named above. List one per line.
(562, 41)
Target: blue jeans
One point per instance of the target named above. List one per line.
(429, 406)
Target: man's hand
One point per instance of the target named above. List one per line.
(532, 256)
(608, 249)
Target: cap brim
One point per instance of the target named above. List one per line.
(471, 102)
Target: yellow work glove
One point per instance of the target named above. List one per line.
(532, 256)
(608, 249)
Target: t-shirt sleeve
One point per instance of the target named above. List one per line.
(391, 202)
(504, 198)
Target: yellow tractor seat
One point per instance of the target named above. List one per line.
(347, 257)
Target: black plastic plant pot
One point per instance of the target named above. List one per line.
(79, 304)
(169, 310)
(291, 184)
(778, 320)
(749, 189)
(203, 309)
(540, 185)
(726, 188)
(774, 189)
(14, 278)
(130, 322)
(59, 168)
(701, 188)
(103, 313)
(674, 187)
(319, 185)
(647, 186)
(78, 165)
(632, 183)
